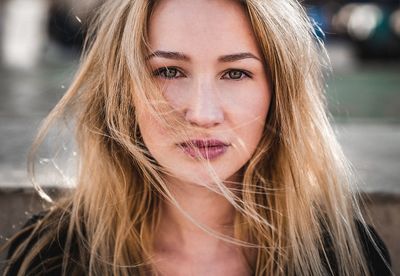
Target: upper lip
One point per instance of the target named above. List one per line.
(203, 143)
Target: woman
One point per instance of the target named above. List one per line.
(204, 150)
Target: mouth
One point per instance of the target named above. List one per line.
(204, 149)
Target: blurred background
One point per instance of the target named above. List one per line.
(40, 44)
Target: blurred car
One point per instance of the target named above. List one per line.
(373, 27)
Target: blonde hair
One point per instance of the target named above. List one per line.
(295, 189)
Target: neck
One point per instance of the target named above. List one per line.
(206, 207)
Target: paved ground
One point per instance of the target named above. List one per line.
(374, 150)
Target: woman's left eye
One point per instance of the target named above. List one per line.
(236, 74)
(168, 73)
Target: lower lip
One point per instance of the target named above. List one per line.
(208, 153)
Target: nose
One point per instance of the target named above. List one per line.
(204, 107)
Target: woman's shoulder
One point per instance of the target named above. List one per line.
(25, 231)
(48, 260)
(375, 250)
(39, 244)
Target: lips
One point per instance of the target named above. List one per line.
(204, 149)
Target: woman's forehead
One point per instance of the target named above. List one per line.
(202, 26)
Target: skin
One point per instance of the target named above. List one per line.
(217, 97)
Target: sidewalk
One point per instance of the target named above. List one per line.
(374, 150)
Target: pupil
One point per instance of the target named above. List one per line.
(235, 74)
(170, 73)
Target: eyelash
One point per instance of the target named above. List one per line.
(161, 70)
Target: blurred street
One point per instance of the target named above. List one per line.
(39, 47)
(40, 44)
(364, 99)
(26, 97)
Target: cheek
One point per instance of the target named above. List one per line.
(176, 93)
(249, 117)
(251, 103)
(154, 134)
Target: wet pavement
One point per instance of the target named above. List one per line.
(366, 108)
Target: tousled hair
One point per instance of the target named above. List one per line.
(295, 189)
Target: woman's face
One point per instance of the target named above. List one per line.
(207, 60)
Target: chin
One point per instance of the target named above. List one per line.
(200, 175)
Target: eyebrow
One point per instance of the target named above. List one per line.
(183, 57)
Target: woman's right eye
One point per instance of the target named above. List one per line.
(168, 73)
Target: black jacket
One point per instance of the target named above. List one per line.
(375, 262)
